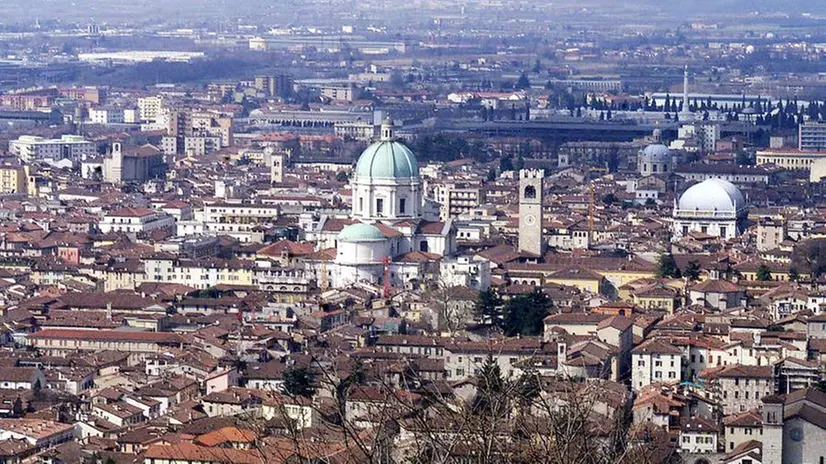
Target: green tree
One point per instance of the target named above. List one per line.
(488, 306)
(692, 270)
(300, 381)
(609, 199)
(520, 162)
(491, 174)
(530, 386)
(506, 164)
(794, 276)
(490, 386)
(342, 176)
(764, 273)
(17, 408)
(667, 267)
(523, 82)
(524, 314)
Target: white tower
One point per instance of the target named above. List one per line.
(277, 160)
(772, 439)
(686, 116)
(531, 194)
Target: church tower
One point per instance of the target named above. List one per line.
(531, 195)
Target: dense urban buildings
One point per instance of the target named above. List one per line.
(423, 232)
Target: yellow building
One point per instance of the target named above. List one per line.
(657, 296)
(14, 179)
(583, 279)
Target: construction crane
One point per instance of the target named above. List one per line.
(386, 279)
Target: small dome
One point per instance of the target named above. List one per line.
(712, 195)
(361, 232)
(387, 159)
(656, 153)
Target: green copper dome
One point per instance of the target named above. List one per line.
(360, 232)
(387, 159)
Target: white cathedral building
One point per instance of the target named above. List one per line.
(713, 207)
(391, 228)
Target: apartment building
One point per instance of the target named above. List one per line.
(106, 115)
(655, 361)
(135, 221)
(240, 220)
(150, 108)
(31, 148)
(458, 198)
(811, 136)
(738, 388)
(60, 342)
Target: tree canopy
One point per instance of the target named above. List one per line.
(667, 267)
(300, 381)
(524, 314)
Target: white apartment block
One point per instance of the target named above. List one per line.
(31, 148)
(150, 108)
(465, 271)
(135, 220)
(240, 220)
(110, 115)
(655, 361)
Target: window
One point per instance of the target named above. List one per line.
(361, 204)
(379, 206)
(530, 192)
(402, 205)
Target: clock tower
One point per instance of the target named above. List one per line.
(531, 195)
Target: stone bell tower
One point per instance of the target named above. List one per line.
(531, 195)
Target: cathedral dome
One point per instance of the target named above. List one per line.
(360, 232)
(712, 195)
(387, 159)
(656, 153)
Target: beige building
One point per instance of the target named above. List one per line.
(738, 388)
(458, 198)
(135, 165)
(59, 342)
(339, 92)
(770, 234)
(788, 158)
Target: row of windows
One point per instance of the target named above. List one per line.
(699, 440)
(380, 205)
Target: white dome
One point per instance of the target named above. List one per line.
(656, 153)
(712, 195)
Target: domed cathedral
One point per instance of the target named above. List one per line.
(386, 183)
(391, 229)
(655, 159)
(713, 207)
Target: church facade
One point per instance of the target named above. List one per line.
(392, 232)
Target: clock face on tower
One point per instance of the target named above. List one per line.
(530, 219)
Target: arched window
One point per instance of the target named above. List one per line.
(530, 191)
